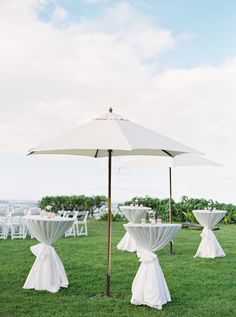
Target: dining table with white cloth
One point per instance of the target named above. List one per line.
(209, 246)
(149, 285)
(134, 214)
(47, 272)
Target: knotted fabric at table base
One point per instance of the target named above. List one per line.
(209, 246)
(149, 286)
(127, 244)
(47, 272)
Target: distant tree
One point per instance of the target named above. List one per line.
(182, 210)
(74, 202)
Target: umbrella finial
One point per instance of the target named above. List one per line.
(110, 109)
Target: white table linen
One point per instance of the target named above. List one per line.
(209, 246)
(149, 286)
(47, 272)
(134, 214)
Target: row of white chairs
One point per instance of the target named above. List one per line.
(79, 227)
(14, 224)
(6, 212)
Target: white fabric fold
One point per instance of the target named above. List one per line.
(209, 246)
(134, 214)
(47, 272)
(127, 243)
(149, 286)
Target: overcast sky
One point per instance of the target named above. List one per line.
(167, 65)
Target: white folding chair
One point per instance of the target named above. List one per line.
(71, 232)
(3, 228)
(81, 225)
(4, 211)
(18, 227)
(19, 212)
(61, 213)
(34, 211)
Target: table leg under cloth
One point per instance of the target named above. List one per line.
(209, 246)
(127, 243)
(47, 272)
(149, 286)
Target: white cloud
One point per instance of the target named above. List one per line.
(59, 15)
(136, 31)
(94, 1)
(185, 36)
(65, 73)
(54, 78)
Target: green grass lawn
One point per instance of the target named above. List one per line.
(198, 287)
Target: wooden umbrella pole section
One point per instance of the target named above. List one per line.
(108, 273)
(170, 208)
(170, 199)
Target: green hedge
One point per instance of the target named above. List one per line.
(182, 210)
(115, 217)
(81, 202)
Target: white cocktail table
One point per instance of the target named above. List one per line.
(47, 272)
(149, 286)
(134, 214)
(209, 246)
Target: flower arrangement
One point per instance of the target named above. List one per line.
(48, 207)
(210, 206)
(152, 216)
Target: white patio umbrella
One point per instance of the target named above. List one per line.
(107, 136)
(182, 160)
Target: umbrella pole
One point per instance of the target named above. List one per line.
(170, 209)
(108, 273)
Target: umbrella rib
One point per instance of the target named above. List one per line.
(166, 152)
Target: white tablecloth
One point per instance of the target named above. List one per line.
(209, 246)
(149, 286)
(134, 214)
(47, 272)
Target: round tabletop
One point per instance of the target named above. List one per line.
(209, 211)
(152, 236)
(208, 218)
(47, 218)
(134, 213)
(47, 230)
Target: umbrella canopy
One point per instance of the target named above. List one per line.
(107, 136)
(182, 160)
(113, 132)
(193, 160)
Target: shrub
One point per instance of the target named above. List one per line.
(81, 202)
(182, 210)
(115, 217)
